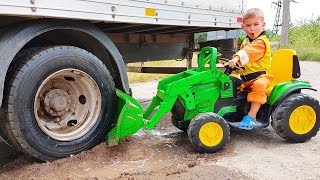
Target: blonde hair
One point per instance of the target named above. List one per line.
(252, 13)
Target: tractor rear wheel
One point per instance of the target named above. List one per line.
(297, 118)
(209, 132)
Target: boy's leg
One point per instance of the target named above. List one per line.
(257, 97)
(254, 109)
(258, 90)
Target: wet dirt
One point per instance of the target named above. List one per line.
(166, 153)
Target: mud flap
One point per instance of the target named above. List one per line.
(129, 118)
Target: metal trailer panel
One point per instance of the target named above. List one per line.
(201, 13)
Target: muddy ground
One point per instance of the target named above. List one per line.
(165, 153)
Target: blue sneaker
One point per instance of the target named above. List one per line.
(247, 123)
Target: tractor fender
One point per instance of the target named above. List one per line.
(16, 37)
(283, 90)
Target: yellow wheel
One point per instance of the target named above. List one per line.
(211, 134)
(302, 119)
(297, 118)
(208, 132)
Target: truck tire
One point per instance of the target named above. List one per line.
(297, 118)
(209, 133)
(5, 128)
(58, 102)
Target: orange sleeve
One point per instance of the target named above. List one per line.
(255, 50)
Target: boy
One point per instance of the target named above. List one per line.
(254, 56)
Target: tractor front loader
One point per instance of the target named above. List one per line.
(198, 89)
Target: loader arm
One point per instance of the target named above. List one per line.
(131, 116)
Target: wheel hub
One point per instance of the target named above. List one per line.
(302, 119)
(57, 102)
(211, 134)
(67, 104)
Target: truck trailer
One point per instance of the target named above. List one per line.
(62, 61)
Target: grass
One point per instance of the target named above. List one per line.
(304, 38)
(310, 54)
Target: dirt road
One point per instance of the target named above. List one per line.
(165, 153)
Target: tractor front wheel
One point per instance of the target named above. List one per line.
(208, 132)
(297, 118)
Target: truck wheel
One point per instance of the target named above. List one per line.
(296, 119)
(5, 128)
(209, 132)
(59, 101)
(177, 112)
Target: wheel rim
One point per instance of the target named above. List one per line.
(67, 104)
(302, 119)
(211, 134)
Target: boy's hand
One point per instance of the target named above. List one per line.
(233, 62)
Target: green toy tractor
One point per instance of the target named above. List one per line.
(204, 101)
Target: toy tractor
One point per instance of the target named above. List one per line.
(204, 100)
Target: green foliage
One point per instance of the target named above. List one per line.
(273, 37)
(305, 38)
(310, 54)
(198, 37)
(241, 38)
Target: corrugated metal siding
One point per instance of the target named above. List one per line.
(201, 13)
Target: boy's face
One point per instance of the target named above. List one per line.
(253, 26)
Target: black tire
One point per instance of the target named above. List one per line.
(5, 128)
(177, 112)
(25, 125)
(218, 123)
(288, 110)
(180, 124)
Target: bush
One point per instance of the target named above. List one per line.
(198, 37)
(305, 38)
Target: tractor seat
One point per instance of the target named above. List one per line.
(284, 67)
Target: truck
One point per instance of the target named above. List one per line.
(62, 61)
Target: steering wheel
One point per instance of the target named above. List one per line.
(229, 69)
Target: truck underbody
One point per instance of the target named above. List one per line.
(76, 37)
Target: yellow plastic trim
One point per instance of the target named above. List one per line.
(302, 119)
(150, 12)
(211, 134)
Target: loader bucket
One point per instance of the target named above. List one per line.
(129, 118)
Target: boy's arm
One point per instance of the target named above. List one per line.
(251, 52)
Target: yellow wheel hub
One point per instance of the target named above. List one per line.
(211, 134)
(302, 119)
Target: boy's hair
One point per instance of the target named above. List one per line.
(253, 12)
